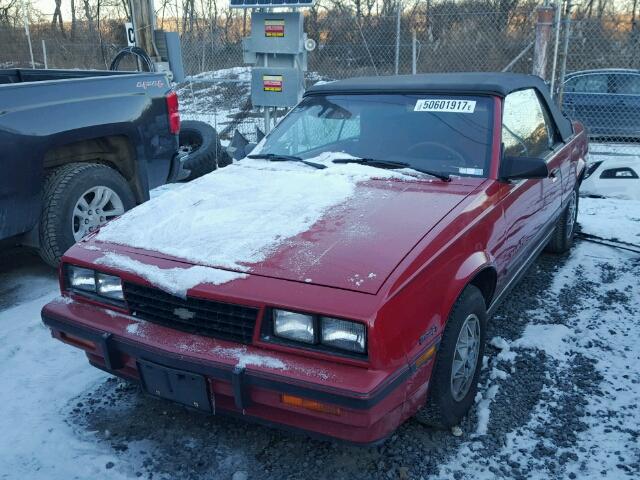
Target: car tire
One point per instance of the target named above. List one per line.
(71, 186)
(451, 392)
(200, 140)
(562, 238)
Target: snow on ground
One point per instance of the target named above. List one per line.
(40, 379)
(218, 97)
(559, 396)
(601, 329)
(600, 151)
(611, 218)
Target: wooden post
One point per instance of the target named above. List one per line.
(143, 24)
(544, 24)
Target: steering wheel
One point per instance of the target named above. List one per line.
(441, 146)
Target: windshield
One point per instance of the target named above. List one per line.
(444, 133)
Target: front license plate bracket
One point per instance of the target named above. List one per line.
(189, 389)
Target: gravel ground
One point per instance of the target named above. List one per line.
(559, 397)
(538, 397)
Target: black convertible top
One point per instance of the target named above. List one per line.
(490, 83)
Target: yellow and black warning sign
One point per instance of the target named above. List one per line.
(273, 28)
(272, 83)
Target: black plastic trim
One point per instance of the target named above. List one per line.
(352, 400)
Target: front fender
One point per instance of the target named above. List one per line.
(465, 273)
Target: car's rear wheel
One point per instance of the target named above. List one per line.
(454, 381)
(77, 199)
(562, 239)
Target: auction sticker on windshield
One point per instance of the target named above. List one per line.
(445, 105)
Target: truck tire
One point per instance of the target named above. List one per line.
(200, 140)
(75, 192)
(452, 391)
(562, 238)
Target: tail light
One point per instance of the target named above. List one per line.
(174, 115)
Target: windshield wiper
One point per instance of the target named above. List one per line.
(391, 164)
(275, 157)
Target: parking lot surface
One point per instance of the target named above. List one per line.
(559, 393)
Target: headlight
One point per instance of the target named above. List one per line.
(293, 326)
(81, 278)
(321, 333)
(94, 284)
(344, 335)
(109, 286)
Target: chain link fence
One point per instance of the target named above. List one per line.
(380, 38)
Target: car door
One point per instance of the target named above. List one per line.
(587, 99)
(625, 90)
(527, 204)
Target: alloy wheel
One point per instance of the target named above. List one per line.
(465, 357)
(94, 208)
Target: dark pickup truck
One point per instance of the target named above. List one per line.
(78, 148)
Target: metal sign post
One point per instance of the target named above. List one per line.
(277, 50)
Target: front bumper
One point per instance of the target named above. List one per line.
(369, 410)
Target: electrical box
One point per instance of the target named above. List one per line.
(276, 33)
(276, 87)
(276, 49)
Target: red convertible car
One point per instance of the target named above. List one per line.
(339, 279)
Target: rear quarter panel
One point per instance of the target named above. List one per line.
(37, 117)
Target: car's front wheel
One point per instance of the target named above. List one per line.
(454, 380)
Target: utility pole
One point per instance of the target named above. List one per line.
(143, 17)
(565, 50)
(543, 35)
(398, 19)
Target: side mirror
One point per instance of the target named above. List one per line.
(517, 168)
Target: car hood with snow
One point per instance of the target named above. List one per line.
(346, 226)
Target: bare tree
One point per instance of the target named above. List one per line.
(57, 17)
(9, 12)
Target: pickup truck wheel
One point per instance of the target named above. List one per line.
(200, 141)
(562, 239)
(77, 199)
(454, 380)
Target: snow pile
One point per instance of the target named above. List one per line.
(487, 393)
(172, 280)
(40, 378)
(551, 339)
(611, 218)
(484, 411)
(238, 215)
(242, 74)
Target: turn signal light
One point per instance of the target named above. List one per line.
(299, 402)
(426, 356)
(78, 342)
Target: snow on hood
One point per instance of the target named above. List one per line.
(236, 216)
(172, 280)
